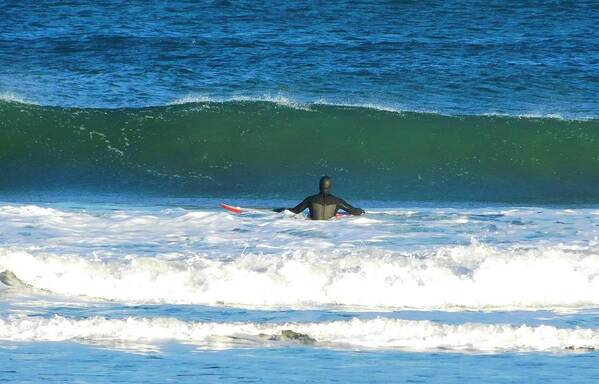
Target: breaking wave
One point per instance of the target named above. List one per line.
(275, 148)
(379, 333)
(450, 278)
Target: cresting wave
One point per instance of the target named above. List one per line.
(269, 149)
(451, 278)
(380, 333)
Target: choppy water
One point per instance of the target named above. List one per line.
(467, 129)
(465, 57)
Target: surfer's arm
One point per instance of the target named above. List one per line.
(301, 206)
(298, 208)
(342, 204)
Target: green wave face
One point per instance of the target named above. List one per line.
(263, 149)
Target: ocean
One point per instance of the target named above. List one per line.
(467, 130)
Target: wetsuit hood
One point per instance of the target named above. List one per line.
(326, 184)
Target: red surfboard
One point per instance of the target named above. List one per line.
(231, 208)
(239, 210)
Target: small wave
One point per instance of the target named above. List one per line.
(379, 333)
(292, 102)
(280, 100)
(452, 278)
(383, 107)
(543, 116)
(308, 105)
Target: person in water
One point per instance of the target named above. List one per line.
(324, 205)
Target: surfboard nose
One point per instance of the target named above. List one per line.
(231, 208)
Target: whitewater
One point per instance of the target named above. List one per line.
(378, 333)
(138, 275)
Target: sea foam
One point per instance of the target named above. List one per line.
(380, 333)
(451, 278)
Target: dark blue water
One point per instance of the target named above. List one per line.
(458, 57)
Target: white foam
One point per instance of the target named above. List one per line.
(28, 211)
(383, 260)
(278, 99)
(9, 96)
(383, 333)
(544, 115)
(295, 103)
(474, 276)
(379, 106)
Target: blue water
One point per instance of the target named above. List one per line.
(107, 277)
(459, 57)
(292, 365)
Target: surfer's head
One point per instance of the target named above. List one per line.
(325, 185)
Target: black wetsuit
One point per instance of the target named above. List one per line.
(325, 206)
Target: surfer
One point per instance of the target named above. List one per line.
(324, 205)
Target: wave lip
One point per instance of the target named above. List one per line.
(379, 333)
(451, 278)
(266, 98)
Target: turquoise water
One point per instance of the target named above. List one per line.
(467, 131)
(263, 149)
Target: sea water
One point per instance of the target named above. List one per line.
(467, 130)
(99, 291)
